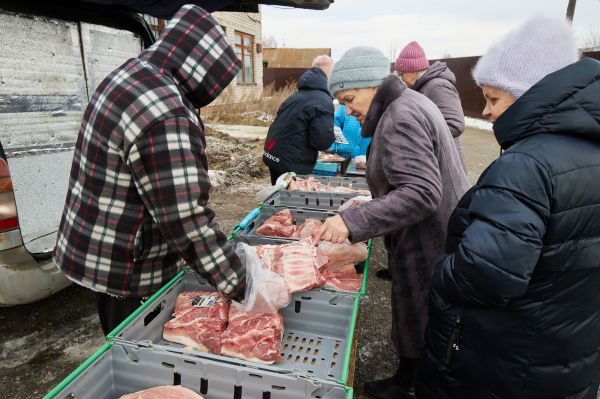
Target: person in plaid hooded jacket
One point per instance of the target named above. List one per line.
(136, 210)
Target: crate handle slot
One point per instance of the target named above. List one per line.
(155, 312)
(203, 386)
(255, 375)
(168, 365)
(277, 387)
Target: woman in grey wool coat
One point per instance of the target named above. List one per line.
(416, 179)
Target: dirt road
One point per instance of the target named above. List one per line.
(42, 343)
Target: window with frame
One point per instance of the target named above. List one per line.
(244, 45)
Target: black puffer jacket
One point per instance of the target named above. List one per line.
(515, 308)
(303, 126)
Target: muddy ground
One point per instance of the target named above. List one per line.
(42, 343)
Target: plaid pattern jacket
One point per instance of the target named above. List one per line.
(136, 204)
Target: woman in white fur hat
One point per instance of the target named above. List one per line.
(515, 303)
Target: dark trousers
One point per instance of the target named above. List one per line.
(275, 173)
(112, 310)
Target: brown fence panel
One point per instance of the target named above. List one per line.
(281, 77)
(470, 94)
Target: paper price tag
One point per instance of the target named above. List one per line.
(204, 301)
(339, 136)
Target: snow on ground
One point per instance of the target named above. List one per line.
(478, 123)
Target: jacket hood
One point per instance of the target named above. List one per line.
(436, 70)
(194, 52)
(565, 102)
(313, 79)
(390, 89)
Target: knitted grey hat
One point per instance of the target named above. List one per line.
(526, 55)
(359, 68)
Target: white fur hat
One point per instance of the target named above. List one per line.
(527, 54)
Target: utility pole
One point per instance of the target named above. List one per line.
(571, 10)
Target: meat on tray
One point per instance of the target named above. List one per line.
(164, 392)
(282, 225)
(307, 229)
(339, 271)
(279, 225)
(298, 263)
(311, 184)
(198, 320)
(254, 337)
(342, 278)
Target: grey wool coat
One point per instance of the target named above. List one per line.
(438, 85)
(416, 178)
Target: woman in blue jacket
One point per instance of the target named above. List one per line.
(357, 145)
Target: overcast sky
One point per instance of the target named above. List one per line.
(442, 27)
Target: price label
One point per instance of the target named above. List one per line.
(204, 301)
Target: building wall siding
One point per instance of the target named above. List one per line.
(249, 23)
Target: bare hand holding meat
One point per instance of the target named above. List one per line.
(334, 229)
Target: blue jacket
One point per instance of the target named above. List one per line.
(357, 145)
(303, 126)
(515, 303)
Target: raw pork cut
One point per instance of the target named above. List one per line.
(199, 319)
(297, 263)
(307, 229)
(311, 184)
(342, 278)
(255, 337)
(279, 225)
(164, 392)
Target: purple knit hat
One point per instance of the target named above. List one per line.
(411, 59)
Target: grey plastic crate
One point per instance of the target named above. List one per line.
(300, 216)
(308, 200)
(124, 368)
(317, 326)
(359, 183)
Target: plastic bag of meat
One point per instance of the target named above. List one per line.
(297, 263)
(343, 254)
(355, 201)
(164, 392)
(254, 337)
(266, 290)
(199, 318)
(339, 272)
(280, 224)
